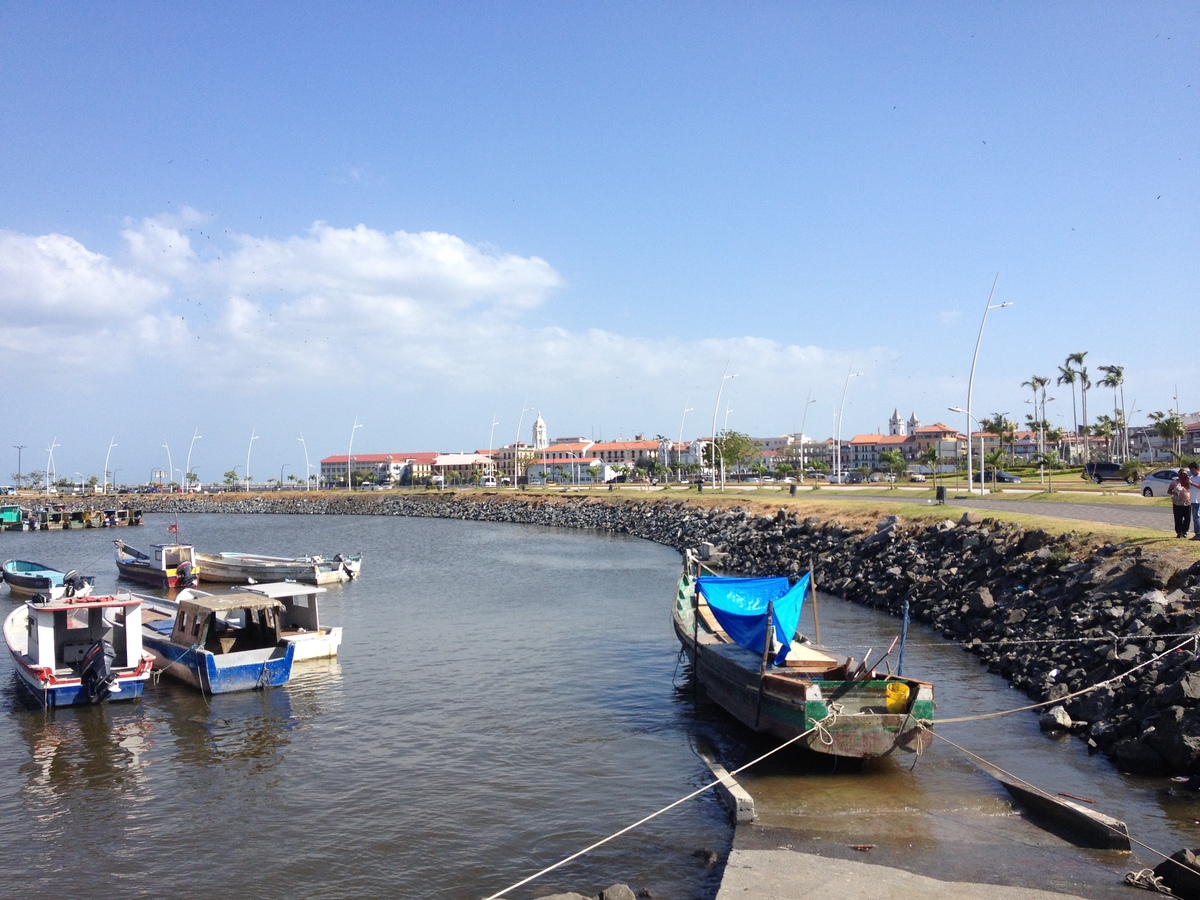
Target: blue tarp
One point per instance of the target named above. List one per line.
(740, 605)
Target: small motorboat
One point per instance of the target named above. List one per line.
(25, 579)
(299, 619)
(219, 644)
(167, 566)
(76, 651)
(229, 567)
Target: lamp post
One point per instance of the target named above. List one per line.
(679, 469)
(80, 474)
(170, 465)
(253, 438)
(850, 373)
(959, 409)
(50, 461)
(18, 448)
(517, 443)
(350, 456)
(971, 383)
(803, 419)
(716, 408)
(116, 484)
(112, 443)
(306, 464)
(196, 436)
(281, 468)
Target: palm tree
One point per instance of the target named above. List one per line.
(1106, 427)
(1067, 375)
(930, 457)
(995, 459)
(1114, 377)
(1170, 428)
(1084, 384)
(1037, 384)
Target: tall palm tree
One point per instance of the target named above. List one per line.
(1084, 384)
(1037, 383)
(1068, 375)
(1114, 377)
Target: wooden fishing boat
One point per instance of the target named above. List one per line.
(299, 618)
(165, 566)
(253, 568)
(741, 635)
(25, 579)
(13, 517)
(219, 644)
(79, 650)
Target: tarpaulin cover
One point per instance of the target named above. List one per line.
(740, 605)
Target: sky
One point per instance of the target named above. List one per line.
(234, 232)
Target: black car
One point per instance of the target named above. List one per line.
(1000, 477)
(1103, 471)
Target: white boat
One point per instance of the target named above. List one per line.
(79, 650)
(167, 566)
(299, 620)
(229, 567)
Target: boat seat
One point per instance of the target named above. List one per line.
(162, 626)
(704, 611)
(808, 659)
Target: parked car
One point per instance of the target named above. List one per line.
(1156, 483)
(1000, 477)
(1100, 472)
(916, 476)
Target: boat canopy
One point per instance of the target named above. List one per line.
(740, 605)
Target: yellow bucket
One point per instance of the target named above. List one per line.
(897, 697)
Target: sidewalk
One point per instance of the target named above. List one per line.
(1157, 518)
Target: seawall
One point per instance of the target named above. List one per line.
(1051, 613)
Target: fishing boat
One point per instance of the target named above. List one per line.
(79, 650)
(12, 517)
(25, 579)
(299, 619)
(741, 635)
(167, 566)
(219, 644)
(254, 568)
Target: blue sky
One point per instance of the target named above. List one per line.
(271, 219)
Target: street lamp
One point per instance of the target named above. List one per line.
(253, 438)
(716, 408)
(517, 444)
(80, 474)
(170, 465)
(50, 461)
(307, 467)
(281, 468)
(18, 448)
(971, 383)
(350, 454)
(686, 409)
(196, 436)
(850, 373)
(116, 484)
(803, 419)
(112, 443)
(959, 409)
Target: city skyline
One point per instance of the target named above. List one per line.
(414, 227)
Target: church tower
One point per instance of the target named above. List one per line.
(913, 423)
(540, 441)
(896, 424)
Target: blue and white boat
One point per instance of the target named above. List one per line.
(219, 644)
(299, 619)
(25, 579)
(79, 650)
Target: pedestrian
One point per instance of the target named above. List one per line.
(1181, 502)
(1194, 478)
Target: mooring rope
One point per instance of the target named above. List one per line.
(1063, 699)
(1145, 878)
(656, 814)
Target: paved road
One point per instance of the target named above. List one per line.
(1157, 518)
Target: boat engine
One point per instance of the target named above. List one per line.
(346, 567)
(96, 672)
(186, 576)
(73, 583)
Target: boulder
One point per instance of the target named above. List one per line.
(1055, 719)
(1181, 873)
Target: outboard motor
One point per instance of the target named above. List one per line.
(73, 583)
(185, 576)
(346, 567)
(96, 672)
(40, 599)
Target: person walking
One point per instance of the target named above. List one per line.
(1181, 502)
(1194, 478)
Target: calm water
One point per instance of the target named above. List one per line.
(505, 696)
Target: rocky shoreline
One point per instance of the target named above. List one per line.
(1053, 614)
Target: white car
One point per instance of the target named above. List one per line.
(1156, 483)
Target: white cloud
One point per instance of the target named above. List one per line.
(53, 280)
(158, 244)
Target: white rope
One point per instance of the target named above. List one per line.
(653, 815)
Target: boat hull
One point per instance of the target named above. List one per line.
(160, 578)
(239, 568)
(321, 644)
(222, 673)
